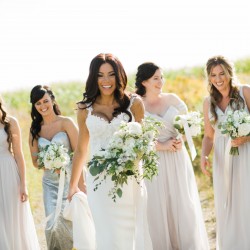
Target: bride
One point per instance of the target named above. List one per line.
(121, 224)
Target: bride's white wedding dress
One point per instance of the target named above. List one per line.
(120, 225)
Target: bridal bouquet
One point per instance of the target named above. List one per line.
(132, 143)
(53, 156)
(192, 119)
(236, 124)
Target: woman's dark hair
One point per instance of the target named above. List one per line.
(36, 94)
(236, 101)
(144, 72)
(92, 90)
(5, 121)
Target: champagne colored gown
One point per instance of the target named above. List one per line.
(17, 229)
(174, 210)
(232, 204)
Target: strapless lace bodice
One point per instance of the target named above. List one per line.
(100, 130)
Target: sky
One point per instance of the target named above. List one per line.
(50, 41)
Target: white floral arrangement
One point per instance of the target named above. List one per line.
(236, 124)
(53, 156)
(193, 120)
(132, 143)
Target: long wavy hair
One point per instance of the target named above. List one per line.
(6, 122)
(236, 101)
(36, 94)
(144, 72)
(92, 90)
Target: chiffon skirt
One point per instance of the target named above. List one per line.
(17, 229)
(174, 210)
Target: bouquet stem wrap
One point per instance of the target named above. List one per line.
(59, 198)
(189, 138)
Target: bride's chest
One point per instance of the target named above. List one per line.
(99, 127)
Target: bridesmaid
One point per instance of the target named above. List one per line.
(49, 126)
(232, 208)
(174, 210)
(17, 227)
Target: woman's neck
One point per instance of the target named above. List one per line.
(152, 98)
(225, 93)
(106, 100)
(49, 119)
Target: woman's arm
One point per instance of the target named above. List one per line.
(72, 132)
(80, 154)
(33, 150)
(207, 142)
(171, 145)
(137, 109)
(246, 93)
(19, 158)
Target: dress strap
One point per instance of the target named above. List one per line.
(182, 107)
(241, 91)
(89, 107)
(133, 96)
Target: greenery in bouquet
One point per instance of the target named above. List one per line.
(236, 124)
(53, 156)
(132, 143)
(193, 120)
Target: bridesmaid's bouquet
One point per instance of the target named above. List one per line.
(132, 143)
(192, 119)
(236, 124)
(53, 156)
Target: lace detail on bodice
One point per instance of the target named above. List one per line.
(3, 141)
(101, 130)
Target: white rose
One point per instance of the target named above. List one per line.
(48, 163)
(195, 130)
(134, 128)
(244, 129)
(57, 163)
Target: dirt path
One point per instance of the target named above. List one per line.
(209, 217)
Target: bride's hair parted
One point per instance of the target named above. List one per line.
(6, 122)
(236, 101)
(92, 90)
(144, 72)
(36, 94)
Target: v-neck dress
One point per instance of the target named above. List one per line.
(174, 210)
(232, 205)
